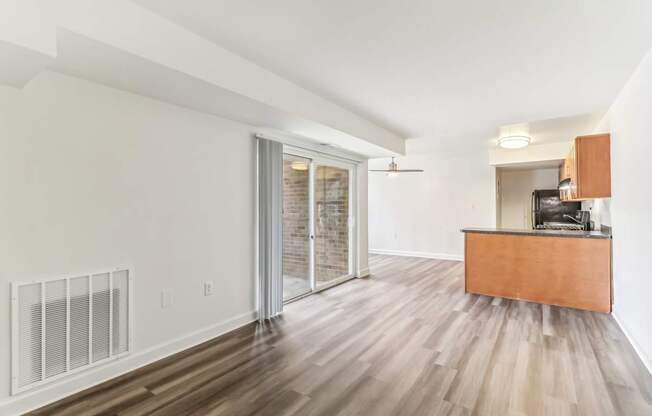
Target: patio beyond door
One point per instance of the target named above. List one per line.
(331, 224)
(317, 224)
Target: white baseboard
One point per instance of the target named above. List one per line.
(637, 348)
(423, 254)
(50, 393)
(363, 272)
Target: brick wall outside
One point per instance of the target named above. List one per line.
(296, 222)
(331, 222)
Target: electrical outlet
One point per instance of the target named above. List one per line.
(166, 299)
(208, 288)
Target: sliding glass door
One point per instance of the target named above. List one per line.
(317, 223)
(331, 214)
(297, 226)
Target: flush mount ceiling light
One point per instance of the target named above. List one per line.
(299, 165)
(518, 141)
(514, 136)
(393, 169)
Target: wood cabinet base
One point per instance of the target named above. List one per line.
(572, 272)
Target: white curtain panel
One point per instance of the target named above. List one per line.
(270, 229)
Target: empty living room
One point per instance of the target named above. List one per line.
(325, 208)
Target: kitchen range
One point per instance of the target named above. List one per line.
(564, 259)
(549, 212)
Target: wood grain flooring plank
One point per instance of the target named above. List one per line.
(405, 341)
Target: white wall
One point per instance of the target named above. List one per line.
(362, 217)
(516, 188)
(536, 153)
(92, 178)
(628, 212)
(422, 213)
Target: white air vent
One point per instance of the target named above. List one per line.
(62, 326)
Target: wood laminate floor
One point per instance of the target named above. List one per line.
(406, 341)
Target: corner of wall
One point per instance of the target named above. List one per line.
(647, 362)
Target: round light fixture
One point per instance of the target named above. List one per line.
(514, 142)
(299, 165)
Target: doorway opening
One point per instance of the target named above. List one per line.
(514, 192)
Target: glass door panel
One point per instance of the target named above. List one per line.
(331, 217)
(296, 227)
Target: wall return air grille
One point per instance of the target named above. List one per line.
(65, 325)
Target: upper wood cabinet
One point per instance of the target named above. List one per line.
(565, 169)
(587, 168)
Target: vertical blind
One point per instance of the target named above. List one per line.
(270, 228)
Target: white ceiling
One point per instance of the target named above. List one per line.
(563, 128)
(96, 61)
(436, 69)
(555, 130)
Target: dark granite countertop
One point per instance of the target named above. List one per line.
(540, 233)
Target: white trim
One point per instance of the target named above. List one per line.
(131, 312)
(311, 225)
(34, 399)
(257, 230)
(67, 275)
(110, 313)
(322, 158)
(305, 143)
(90, 323)
(68, 326)
(634, 344)
(494, 204)
(315, 158)
(43, 343)
(354, 259)
(14, 337)
(335, 282)
(423, 254)
(363, 272)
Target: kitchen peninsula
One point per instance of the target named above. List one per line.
(555, 267)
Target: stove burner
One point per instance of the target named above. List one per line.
(559, 226)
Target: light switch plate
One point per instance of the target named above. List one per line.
(208, 288)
